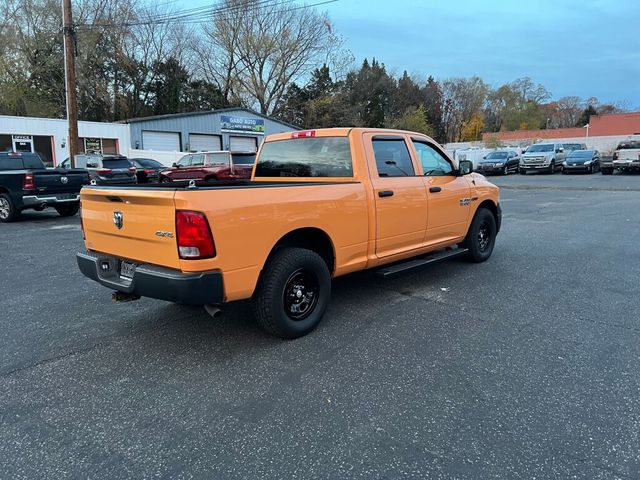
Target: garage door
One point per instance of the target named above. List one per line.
(205, 143)
(163, 141)
(243, 144)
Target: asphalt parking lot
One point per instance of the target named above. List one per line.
(526, 366)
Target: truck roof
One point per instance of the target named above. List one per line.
(337, 132)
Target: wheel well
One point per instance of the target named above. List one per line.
(3, 190)
(310, 238)
(489, 205)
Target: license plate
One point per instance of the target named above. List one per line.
(127, 269)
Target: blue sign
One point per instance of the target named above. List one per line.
(242, 124)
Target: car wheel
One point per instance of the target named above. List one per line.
(293, 293)
(8, 212)
(505, 171)
(590, 169)
(68, 210)
(606, 171)
(523, 172)
(552, 168)
(481, 236)
(165, 180)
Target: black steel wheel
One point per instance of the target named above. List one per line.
(481, 236)
(293, 292)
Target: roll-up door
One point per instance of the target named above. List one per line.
(204, 143)
(243, 144)
(163, 141)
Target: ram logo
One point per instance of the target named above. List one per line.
(118, 219)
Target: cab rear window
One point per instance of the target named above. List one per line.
(306, 157)
(633, 145)
(116, 163)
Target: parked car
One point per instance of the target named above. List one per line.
(320, 204)
(626, 158)
(25, 183)
(106, 169)
(545, 157)
(500, 161)
(582, 161)
(209, 166)
(147, 169)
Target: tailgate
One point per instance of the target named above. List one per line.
(628, 154)
(56, 181)
(146, 219)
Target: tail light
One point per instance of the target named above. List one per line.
(193, 236)
(148, 170)
(304, 134)
(28, 183)
(103, 170)
(615, 155)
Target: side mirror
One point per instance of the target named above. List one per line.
(465, 167)
(560, 150)
(484, 158)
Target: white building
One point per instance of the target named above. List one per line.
(49, 137)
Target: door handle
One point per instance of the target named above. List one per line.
(435, 189)
(385, 193)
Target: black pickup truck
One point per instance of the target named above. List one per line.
(25, 183)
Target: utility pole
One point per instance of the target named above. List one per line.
(70, 79)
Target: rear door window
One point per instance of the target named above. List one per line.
(392, 157)
(306, 157)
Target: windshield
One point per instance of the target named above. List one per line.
(581, 154)
(632, 145)
(114, 163)
(495, 155)
(543, 147)
(572, 146)
(149, 163)
(306, 157)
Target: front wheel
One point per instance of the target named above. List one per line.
(165, 180)
(8, 212)
(606, 171)
(552, 168)
(481, 236)
(68, 210)
(293, 293)
(505, 171)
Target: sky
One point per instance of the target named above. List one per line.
(585, 48)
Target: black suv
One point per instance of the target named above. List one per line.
(106, 170)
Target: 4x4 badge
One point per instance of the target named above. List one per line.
(118, 219)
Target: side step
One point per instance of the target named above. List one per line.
(420, 262)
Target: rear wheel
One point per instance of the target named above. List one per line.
(68, 209)
(8, 212)
(481, 236)
(293, 293)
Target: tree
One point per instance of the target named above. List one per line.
(586, 114)
(434, 105)
(415, 121)
(472, 130)
(369, 92)
(463, 97)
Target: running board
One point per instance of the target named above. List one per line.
(421, 262)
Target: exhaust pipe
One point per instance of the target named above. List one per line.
(213, 311)
(124, 297)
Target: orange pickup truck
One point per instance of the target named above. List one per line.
(320, 204)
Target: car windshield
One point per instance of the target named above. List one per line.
(306, 157)
(497, 155)
(149, 163)
(581, 154)
(632, 145)
(543, 147)
(572, 146)
(116, 163)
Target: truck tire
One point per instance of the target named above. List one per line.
(606, 171)
(552, 167)
(481, 236)
(293, 293)
(68, 209)
(8, 211)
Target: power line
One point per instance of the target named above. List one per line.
(201, 15)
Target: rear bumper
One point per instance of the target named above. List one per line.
(205, 288)
(35, 200)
